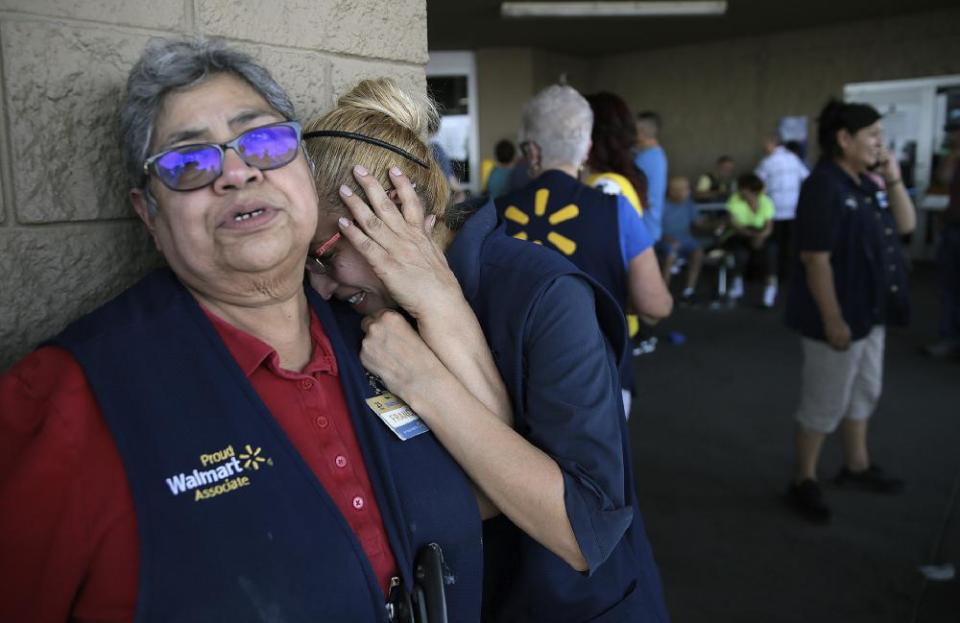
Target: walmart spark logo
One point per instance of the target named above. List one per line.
(252, 459)
(566, 213)
(220, 471)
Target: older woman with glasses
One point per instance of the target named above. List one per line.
(201, 447)
(546, 445)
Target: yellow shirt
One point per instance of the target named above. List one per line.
(606, 180)
(744, 216)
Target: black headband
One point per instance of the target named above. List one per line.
(367, 139)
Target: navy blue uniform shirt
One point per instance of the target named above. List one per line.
(556, 337)
(851, 221)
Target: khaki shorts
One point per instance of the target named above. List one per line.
(840, 384)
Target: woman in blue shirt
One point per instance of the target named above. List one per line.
(546, 446)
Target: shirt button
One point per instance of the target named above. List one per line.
(306, 384)
(893, 267)
(358, 502)
(888, 231)
(894, 289)
(322, 421)
(341, 461)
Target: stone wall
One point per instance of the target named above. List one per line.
(68, 238)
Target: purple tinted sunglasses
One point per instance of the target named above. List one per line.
(189, 167)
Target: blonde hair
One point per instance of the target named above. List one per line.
(379, 109)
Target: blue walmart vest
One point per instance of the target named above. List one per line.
(578, 221)
(232, 523)
(523, 581)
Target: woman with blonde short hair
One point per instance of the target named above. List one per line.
(504, 349)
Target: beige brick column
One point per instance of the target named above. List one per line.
(68, 237)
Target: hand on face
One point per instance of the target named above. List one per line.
(394, 351)
(398, 245)
(889, 167)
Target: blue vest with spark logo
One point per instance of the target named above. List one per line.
(232, 523)
(578, 221)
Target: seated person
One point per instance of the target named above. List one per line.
(499, 181)
(716, 185)
(751, 223)
(679, 219)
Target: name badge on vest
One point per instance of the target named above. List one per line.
(394, 412)
(882, 201)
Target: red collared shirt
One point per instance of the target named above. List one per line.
(68, 540)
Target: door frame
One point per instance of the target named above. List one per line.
(462, 63)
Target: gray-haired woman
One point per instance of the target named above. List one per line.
(601, 234)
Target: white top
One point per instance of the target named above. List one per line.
(608, 186)
(782, 173)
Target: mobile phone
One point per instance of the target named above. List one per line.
(429, 595)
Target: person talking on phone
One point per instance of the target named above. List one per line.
(849, 282)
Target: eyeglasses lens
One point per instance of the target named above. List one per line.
(191, 167)
(195, 166)
(268, 147)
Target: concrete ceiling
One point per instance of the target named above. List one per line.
(474, 24)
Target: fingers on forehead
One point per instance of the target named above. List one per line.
(402, 183)
(357, 206)
(408, 195)
(371, 186)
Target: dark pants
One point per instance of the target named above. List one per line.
(743, 252)
(783, 237)
(948, 260)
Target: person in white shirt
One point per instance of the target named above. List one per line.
(782, 172)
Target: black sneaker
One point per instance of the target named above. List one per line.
(872, 479)
(807, 499)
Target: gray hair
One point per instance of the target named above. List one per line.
(170, 64)
(559, 120)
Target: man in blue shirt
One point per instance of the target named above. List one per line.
(652, 160)
(679, 220)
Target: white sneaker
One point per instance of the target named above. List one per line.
(736, 289)
(770, 295)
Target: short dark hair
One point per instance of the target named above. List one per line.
(836, 116)
(504, 151)
(652, 118)
(724, 158)
(751, 182)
